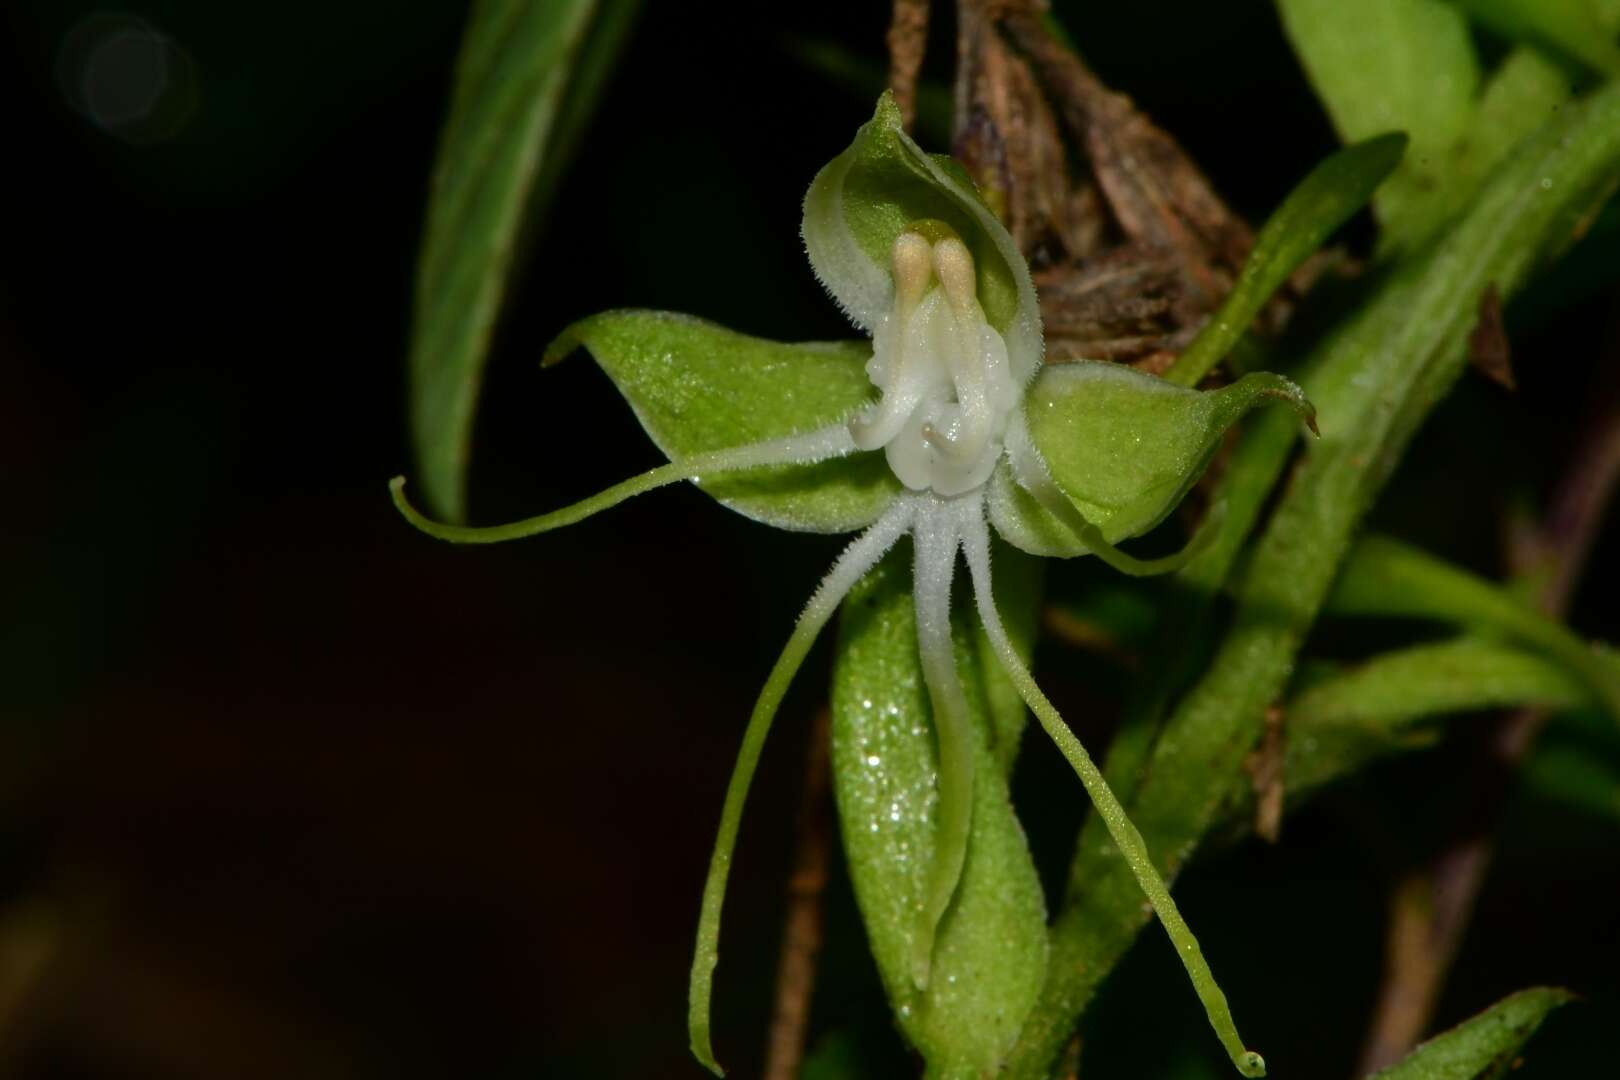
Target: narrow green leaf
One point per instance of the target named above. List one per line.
(594, 65)
(1575, 28)
(1412, 684)
(1323, 201)
(1382, 576)
(1483, 1047)
(513, 93)
(1343, 721)
(1337, 725)
(991, 949)
(1125, 446)
(1374, 379)
(1392, 65)
(697, 387)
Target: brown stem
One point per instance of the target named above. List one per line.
(1430, 908)
(1152, 187)
(908, 38)
(1265, 768)
(801, 926)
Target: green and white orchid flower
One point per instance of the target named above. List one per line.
(945, 427)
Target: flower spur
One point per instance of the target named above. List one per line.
(968, 432)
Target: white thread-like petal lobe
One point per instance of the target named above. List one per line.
(859, 557)
(934, 568)
(976, 548)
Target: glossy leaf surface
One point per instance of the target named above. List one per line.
(990, 954)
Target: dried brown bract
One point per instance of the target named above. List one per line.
(1131, 247)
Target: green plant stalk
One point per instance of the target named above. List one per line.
(1378, 378)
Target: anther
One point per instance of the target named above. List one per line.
(912, 269)
(954, 266)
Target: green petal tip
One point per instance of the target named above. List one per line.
(887, 112)
(704, 1052)
(561, 346)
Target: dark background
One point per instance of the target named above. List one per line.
(287, 789)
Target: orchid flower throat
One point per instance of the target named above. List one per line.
(947, 388)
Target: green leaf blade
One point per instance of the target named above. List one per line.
(513, 92)
(990, 953)
(1341, 723)
(1484, 1046)
(1324, 200)
(1522, 94)
(698, 387)
(1392, 65)
(1383, 576)
(1573, 28)
(1465, 675)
